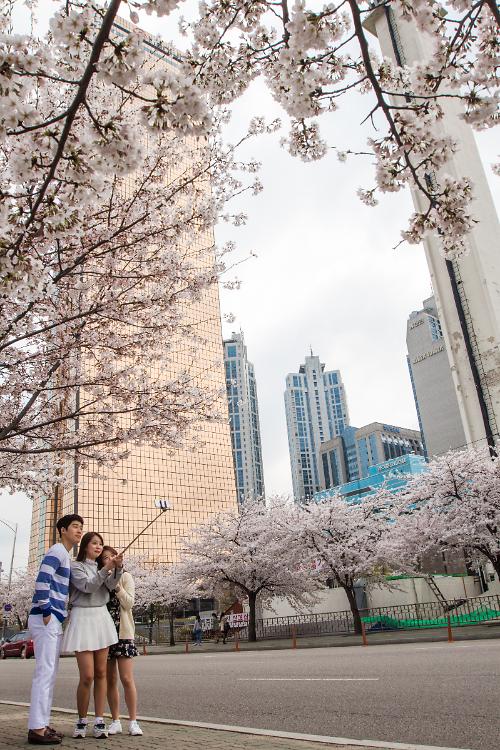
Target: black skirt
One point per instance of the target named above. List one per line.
(126, 648)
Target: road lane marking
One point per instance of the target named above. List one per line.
(444, 648)
(308, 679)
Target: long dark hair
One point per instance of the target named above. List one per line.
(86, 538)
(106, 548)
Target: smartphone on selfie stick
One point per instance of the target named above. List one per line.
(163, 505)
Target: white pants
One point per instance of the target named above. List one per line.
(47, 644)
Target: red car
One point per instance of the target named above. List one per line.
(19, 644)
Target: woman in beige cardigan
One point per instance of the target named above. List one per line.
(120, 657)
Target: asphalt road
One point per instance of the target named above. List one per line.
(431, 694)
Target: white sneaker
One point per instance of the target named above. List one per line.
(134, 729)
(80, 729)
(100, 731)
(115, 727)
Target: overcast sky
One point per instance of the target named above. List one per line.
(327, 276)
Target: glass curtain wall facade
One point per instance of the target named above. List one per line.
(244, 419)
(119, 502)
(316, 411)
(393, 475)
(350, 456)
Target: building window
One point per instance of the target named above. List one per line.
(435, 328)
(324, 458)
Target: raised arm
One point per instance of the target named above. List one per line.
(87, 579)
(114, 579)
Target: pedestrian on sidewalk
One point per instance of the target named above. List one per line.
(197, 631)
(48, 612)
(91, 630)
(215, 627)
(226, 627)
(121, 654)
(222, 627)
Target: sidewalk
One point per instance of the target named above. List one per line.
(157, 736)
(470, 632)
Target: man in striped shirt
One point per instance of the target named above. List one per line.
(48, 612)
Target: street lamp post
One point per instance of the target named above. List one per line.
(14, 531)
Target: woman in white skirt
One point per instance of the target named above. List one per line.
(91, 630)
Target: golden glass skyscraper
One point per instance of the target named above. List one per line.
(119, 502)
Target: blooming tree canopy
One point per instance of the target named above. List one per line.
(347, 541)
(250, 551)
(313, 55)
(161, 586)
(64, 148)
(95, 221)
(19, 596)
(110, 189)
(455, 505)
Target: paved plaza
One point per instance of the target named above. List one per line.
(427, 694)
(156, 737)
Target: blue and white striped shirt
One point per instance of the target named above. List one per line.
(52, 584)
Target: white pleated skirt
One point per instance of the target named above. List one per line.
(88, 629)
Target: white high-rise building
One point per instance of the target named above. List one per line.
(433, 389)
(467, 289)
(316, 411)
(244, 419)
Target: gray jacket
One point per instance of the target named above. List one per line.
(90, 587)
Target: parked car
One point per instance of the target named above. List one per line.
(19, 644)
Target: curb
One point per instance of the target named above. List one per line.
(337, 641)
(320, 739)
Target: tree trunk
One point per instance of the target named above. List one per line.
(151, 622)
(356, 616)
(252, 626)
(495, 561)
(171, 616)
(493, 557)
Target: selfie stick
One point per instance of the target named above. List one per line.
(163, 505)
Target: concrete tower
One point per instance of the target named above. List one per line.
(433, 388)
(467, 290)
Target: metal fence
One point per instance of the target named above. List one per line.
(159, 631)
(462, 612)
(423, 615)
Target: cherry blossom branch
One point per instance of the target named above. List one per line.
(78, 100)
(382, 104)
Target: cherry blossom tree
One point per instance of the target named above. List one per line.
(251, 552)
(347, 541)
(314, 56)
(108, 207)
(94, 273)
(455, 505)
(77, 364)
(161, 588)
(65, 147)
(19, 596)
